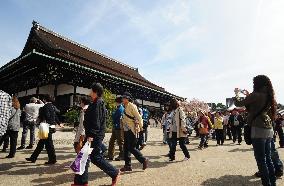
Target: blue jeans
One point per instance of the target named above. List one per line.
(262, 154)
(278, 165)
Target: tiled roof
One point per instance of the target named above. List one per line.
(56, 44)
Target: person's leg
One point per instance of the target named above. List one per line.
(259, 147)
(120, 141)
(229, 132)
(50, 148)
(234, 134)
(222, 136)
(32, 134)
(24, 134)
(173, 146)
(278, 165)
(206, 140)
(13, 143)
(239, 133)
(145, 135)
(111, 146)
(217, 131)
(281, 136)
(183, 147)
(127, 154)
(202, 140)
(82, 179)
(5, 142)
(132, 143)
(37, 151)
(98, 159)
(269, 162)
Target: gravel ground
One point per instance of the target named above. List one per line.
(216, 166)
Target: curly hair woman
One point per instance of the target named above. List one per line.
(261, 106)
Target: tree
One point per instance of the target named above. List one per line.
(109, 99)
(195, 105)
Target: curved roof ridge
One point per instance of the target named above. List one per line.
(37, 26)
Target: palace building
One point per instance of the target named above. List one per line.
(53, 64)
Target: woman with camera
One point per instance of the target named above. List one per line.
(261, 107)
(178, 131)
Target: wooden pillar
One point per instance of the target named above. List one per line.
(37, 90)
(142, 103)
(74, 95)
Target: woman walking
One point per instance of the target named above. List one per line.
(261, 106)
(203, 126)
(47, 114)
(13, 127)
(178, 131)
(219, 130)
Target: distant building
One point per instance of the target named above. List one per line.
(53, 64)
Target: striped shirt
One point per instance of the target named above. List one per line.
(5, 111)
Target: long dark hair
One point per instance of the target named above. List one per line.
(262, 83)
(173, 104)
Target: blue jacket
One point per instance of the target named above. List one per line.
(116, 116)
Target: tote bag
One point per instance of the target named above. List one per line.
(43, 130)
(79, 164)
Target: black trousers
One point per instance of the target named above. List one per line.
(228, 132)
(48, 144)
(219, 136)
(130, 142)
(13, 135)
(173, 146)
(5, 141)
(280, 133)
(26, 127)
(237, 133)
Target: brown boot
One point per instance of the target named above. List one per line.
(126, 169)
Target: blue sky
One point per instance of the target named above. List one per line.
(196, 49)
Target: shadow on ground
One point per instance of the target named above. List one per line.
(232, 180)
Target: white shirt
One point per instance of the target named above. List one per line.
(32, 111)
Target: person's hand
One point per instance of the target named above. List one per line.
(237, 90)
(90, 139)
(245, 92)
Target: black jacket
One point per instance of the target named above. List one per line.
(47, 113)
(240, 119)
(95, 120)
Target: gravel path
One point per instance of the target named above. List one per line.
(216, 166)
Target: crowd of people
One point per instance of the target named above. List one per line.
(130, 129)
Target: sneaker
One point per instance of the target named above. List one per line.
(126, 169)
(21, 148)
(145, 164)
(9, 156)
(116, 179)
(31, 160)
(142, 146)
(29, 147)
(185, 159)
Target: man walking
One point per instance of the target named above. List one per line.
(5, 111)
(236, 122)
(132, 124)
(31, 110)
(117, 132)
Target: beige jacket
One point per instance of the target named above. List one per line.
(179, 117)
(135, 125)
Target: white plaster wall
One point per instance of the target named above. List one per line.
(64, 89)
(48, 89)
(153, 104)
(31, 91)
(21, 94)
(82, 90)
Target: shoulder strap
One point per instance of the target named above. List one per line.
(131, 117)
(13, 115)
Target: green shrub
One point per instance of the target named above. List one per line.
(109, 99)
(72, 115)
